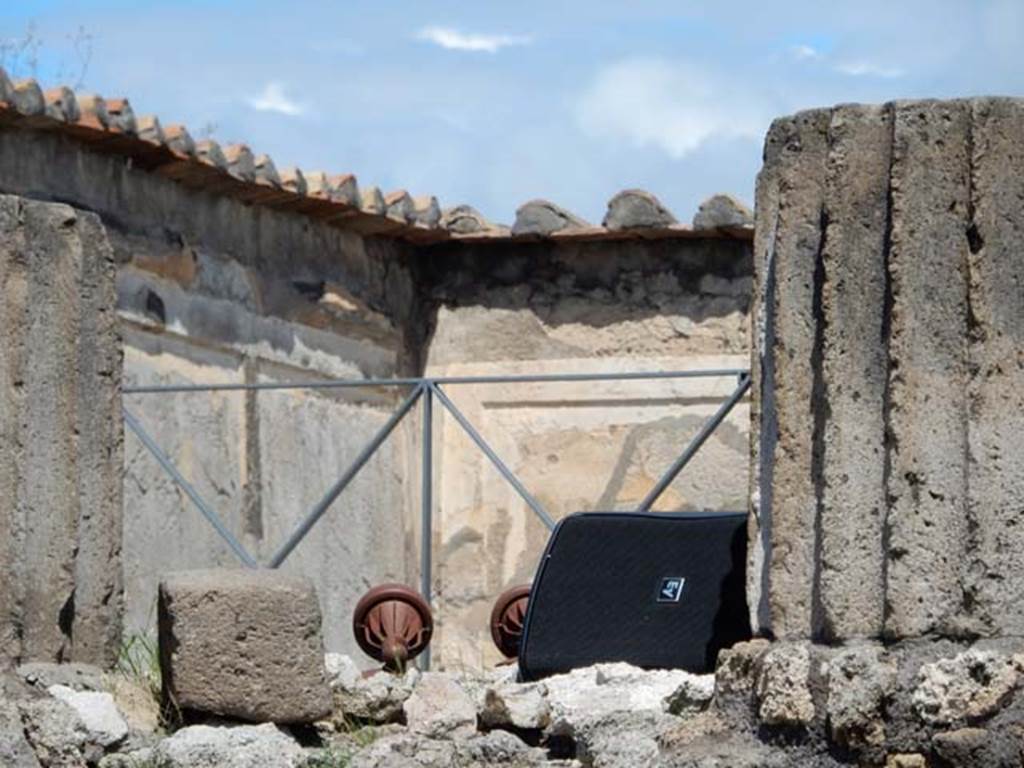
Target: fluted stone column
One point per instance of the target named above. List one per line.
(60, 436)
(887, 485)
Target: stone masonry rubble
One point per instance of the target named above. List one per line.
(916, 704)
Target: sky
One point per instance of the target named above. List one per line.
(493, 104)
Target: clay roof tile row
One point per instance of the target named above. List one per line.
(111, 126)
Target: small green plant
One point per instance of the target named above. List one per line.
(139, 661)
(330, 757)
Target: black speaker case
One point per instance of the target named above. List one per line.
(661, 640)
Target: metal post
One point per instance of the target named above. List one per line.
(321, 506)
(186, 486)
(427, 501)
(695, 444)
(497, 462)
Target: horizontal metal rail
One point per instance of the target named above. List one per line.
(539, 378)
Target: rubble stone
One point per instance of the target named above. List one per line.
(966, 688)
(14, 749)
(376, 698)
(636, 208)
(859, 679)
(243, 644)
(240, 746)
(585, 695)
(440, 708)
(56, 733)
(96, 709)
(515, 705)
(542, 217)
(722, 211)
(976, 747)
(783, 690)
(464, 220)
(74, 675)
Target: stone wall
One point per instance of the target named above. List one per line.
(522, 308)
(888, 483)
(60, 440)
(210, 290)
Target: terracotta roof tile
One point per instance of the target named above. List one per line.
(121, 116)
(149, 129)
(209, 152)
(338, 199)
(345, 189)
(179, 140)
(266, 172)
(426, 212)
(92, 111)
(6, 88)
(27, 97)
(398, 205)
(371, 200)
(293, 180)
(317, 184)
(240, 162)
(61, 104)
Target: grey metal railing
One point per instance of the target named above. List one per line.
(425, 389)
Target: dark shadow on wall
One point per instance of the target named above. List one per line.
(595, 284)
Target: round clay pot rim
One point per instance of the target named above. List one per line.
(505, 600)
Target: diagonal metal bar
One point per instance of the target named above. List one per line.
(691, 450)
(335, 490)
(490, 454)
(189, 490)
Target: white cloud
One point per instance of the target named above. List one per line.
(453, 40)
(802, 52)
(671, 105)
(868, 69)
(273, 99)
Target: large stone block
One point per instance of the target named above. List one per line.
(243, 644)
(60, 436)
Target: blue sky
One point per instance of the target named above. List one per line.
(493, 103)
